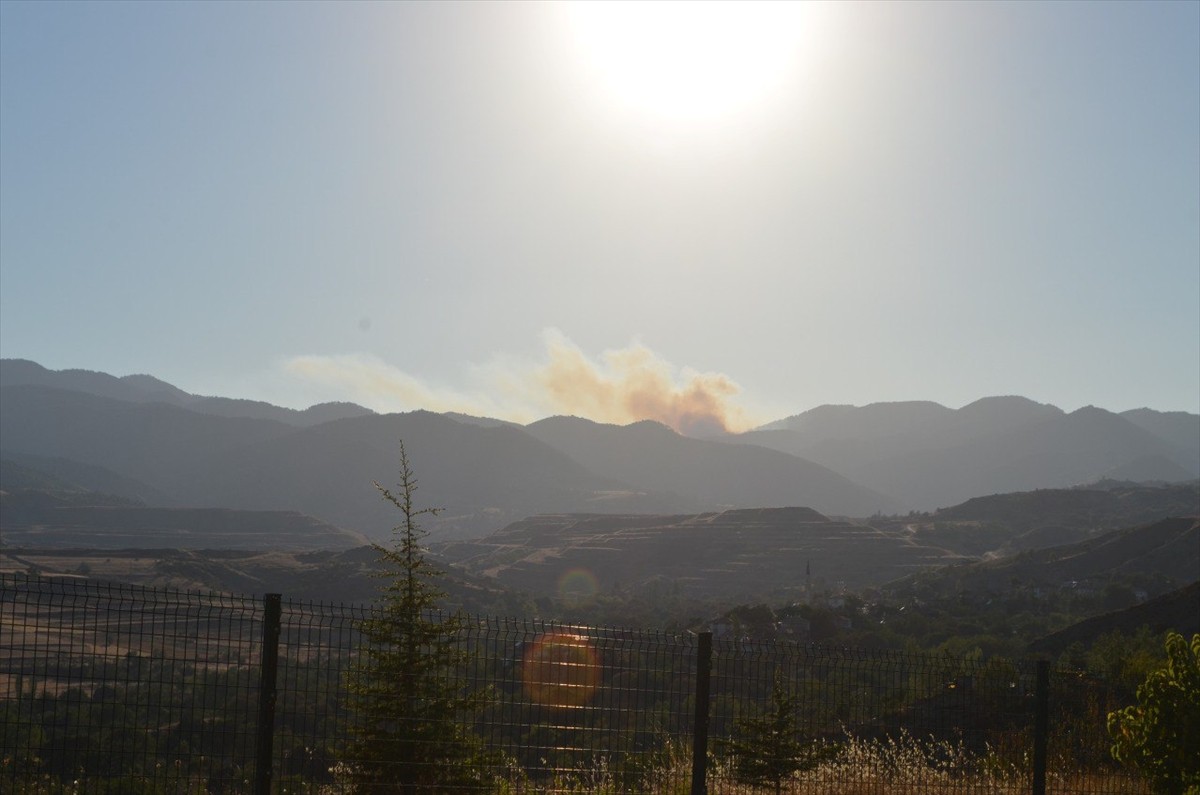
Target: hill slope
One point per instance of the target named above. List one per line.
(143, 439)
(57, 519)
(484, 476)
(1178, 610)
(1003, 524)
(713, 473)
(732, 554)
(1156, 557)
(147, 389)
(929, 455)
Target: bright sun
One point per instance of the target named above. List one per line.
(688, 62)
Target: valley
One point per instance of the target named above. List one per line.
(134, 481)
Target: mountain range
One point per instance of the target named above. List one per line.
(930, 456)
(143, 439)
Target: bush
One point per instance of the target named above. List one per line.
(1160, 735)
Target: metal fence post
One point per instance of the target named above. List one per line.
(269, 663)
(700, 735)
(1041, 726)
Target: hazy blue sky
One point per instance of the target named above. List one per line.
(472, 206)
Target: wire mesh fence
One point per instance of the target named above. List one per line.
(823, 720)
(105, 685)
(117, 689)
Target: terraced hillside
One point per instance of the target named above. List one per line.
(731, 554)
(1154, 557)
(55, 520)
(323, 575)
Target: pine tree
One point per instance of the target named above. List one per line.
(769, 750)
(412, 730)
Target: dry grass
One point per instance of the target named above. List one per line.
(898, 766)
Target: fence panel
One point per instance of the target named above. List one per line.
(567, 708)
(316, 645)
(811, 719)
(585, 708)
(1079, 757)
(833, 720)
(118, 689)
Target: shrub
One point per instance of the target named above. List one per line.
(1160, 735)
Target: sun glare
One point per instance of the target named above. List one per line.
(690, 61)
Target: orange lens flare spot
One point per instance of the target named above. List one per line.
(560, 670)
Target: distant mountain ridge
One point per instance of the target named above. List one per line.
(485, 477)
(653, 456)
(148, 389)
(140, 438)
(929, 456)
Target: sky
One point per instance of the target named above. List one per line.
(618, 211)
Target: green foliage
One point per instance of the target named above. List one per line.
(21, 744)
(1161, 734)
(412, 711)
(1123, 660)
(769, 750)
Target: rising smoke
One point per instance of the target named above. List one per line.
(625, 385)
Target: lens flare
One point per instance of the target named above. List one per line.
(560, 670)
(578, 585)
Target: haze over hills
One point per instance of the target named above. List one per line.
(39, 521)
(62, 475)
(930, 456)
(141, 438)
(655, 457)
(42, 510)
(148, 389)
(486, 476)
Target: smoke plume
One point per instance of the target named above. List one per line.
(624, 385)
